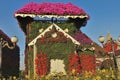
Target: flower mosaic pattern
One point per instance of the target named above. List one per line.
(51, 9)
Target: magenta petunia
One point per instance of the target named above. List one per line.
(82, 38)
(51, 9)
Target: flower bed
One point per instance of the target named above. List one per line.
(42, 64)
(74, 64)
(81, 63)
(51, 9)
(100, 75)
(87, 63)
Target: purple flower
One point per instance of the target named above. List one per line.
(82, 38)
(51, 8)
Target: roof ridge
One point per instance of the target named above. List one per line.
(48, 29)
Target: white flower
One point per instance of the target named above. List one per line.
(40, 30)
(54, 35)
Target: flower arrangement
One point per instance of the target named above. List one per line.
(108, 47)
(82, 38)
(42, 64)
(100, 75)
(81, 63)
(74, 64)
(51, 9)
(87, 63)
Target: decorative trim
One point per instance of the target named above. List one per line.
(35, 52)
(57, 28)
(51, 16)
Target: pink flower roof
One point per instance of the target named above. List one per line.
(82, 38)
(48, 8)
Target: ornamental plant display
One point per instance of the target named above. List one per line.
(82, 38)
(57, 50)
(54, 48)
(59, 47)
(10, 62)
(87, 63)
(51, 9)
(82, 63)
(100, 75)
(74, 64)
(108, 46)
(42, 64)
(76, 34)
(37, 25)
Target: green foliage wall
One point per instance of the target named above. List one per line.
(36, 25)
(54, 50)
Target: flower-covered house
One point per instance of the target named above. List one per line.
(54, 40)
(9, 57)
(112, 49)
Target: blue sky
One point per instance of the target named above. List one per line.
(104, 18)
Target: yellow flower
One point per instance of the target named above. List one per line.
(27, 76)
(14, 77)
(106, 76)
(47, 77)
(94, 79)
(73, 71)
(3, 79)
(42, 76)
(118, 77)
(88, 74)
(103, 71)
(113, 76)
(76, 78)
(98, 78)
(10, 77)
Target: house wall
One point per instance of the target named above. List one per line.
(9, 58)
(10, 62)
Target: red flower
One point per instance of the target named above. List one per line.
(87, 63)
(74, 63)
(109, 48)
(41, 62)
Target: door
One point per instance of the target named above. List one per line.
(57, 66)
